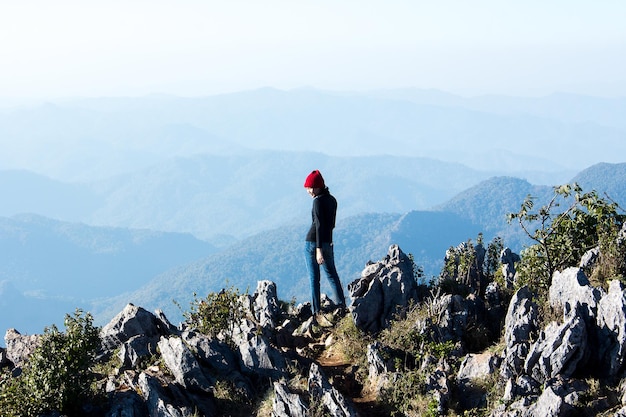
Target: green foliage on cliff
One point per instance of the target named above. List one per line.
(58, 376)
(564, 229)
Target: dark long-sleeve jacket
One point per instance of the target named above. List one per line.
(323, 216)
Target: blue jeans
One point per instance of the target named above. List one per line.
(314, 273)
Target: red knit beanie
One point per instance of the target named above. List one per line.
(314, 180)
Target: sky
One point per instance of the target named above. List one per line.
(70, 48)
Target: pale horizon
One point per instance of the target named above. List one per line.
(74, 48)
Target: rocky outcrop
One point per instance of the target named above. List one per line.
(520, 326)
(544, 367)
(287, 404)
(611, 319)
(322, 391)
(19, 347)
(508, 259)
(384, 289)
(570, 289)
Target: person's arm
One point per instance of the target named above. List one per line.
(317, 218)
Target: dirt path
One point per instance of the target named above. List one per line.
(343, 376)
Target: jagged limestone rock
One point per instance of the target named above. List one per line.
(126, 404)
(134, 349)
(265, 304)
(287, 404)
(183, 365)
(19, 347)
(132, 321)
(385, 288)
(519, 326)
(258, 356)
(611, 319)
(478, 365)
(211, 352)
(559, 350)
(570, 288)
(322, 390)
(508, 259)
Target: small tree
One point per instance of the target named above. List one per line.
(563, 235)
(58, 375)
(218, 312)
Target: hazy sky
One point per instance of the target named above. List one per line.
(188, 47)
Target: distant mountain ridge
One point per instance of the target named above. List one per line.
(101, 268)
(94, 138)
(238, 195)
(425, 234)
(53, 265)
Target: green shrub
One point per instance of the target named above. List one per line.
(58, 376)
(563, 235)
(218, 313)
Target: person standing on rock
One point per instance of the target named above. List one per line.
(319, 240)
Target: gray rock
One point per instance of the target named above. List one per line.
(287, 404)
(519, 326)
(558, 399)
(183, 364)
(219, 358)
(157, 400)
(522, 387)
(135, 349)
(559, 351)
(438, 385)
(378, 366)
(212, 353)
(611, 319)
(258, 356)
(476, 366)
(4, 361)
(384, 289)
(265, 304)
(131, 321)
(508, 259)
(19, 347)
(126, 404)
(322, 390)
(570, 288)
(590, 258)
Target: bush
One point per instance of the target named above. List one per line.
(58, 376)
(218, 313)
(563, 235)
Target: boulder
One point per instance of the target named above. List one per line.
(167, 400)
(135, 349)
(132, 321)
(475, 367)
(287, 404)
(508, 259)
(559, 350)
(19, 347)
(322, 391)
(384, 289)
(265, 304)
(212, 353)
(126, 404)
(520, 325)
(258, 357)
(559, 398)
(611, 320)
(183, 365)
(570, 288)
